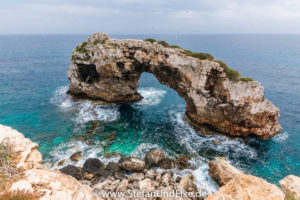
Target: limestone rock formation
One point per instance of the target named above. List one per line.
(291, 186)
(51, 184)
(222, 172)
(44, 184)
(110, 69)
(27, 155)
(248, 187)
(237, 185)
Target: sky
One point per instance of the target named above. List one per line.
(149, 16)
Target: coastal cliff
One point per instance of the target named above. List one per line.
(216, 96)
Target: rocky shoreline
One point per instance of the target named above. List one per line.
(130, 175)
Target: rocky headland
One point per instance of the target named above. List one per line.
(216, 96)
(130, 174)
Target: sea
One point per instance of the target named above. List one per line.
(33, 100)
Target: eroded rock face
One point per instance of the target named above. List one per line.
(291, 186)
(248, 187)
(222, 172)
(110, 69)
(51, 184)
(27, 155)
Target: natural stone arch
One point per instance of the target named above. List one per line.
(110, 69)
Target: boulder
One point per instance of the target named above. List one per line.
(132, 164)
(72, 171)
(92, 166)
(187, 184)
(247, 187)
(212, 96)
(153, 157)
(222, 172)
(146, 185)
(167, 163)
(60, 163)
(75, 157)
(183, 162)
(291, 186)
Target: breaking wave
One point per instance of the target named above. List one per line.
(152, 96)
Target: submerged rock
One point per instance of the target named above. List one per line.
(291, 186)
(75, 157)
(110, 69)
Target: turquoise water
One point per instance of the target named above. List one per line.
(33, 100)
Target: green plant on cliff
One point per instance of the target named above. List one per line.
(164, 43)
(232, 74)
(246, 79)
(289, 196)
(201, 56)
(98, 41)
(150, 40)
(81, 48)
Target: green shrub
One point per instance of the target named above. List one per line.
(201, 56)
(289, 196)
(231, 74)
(164, 43)
(150, 40)
(73, 57)
(5, 153)
(81, 48)
(174, 46)
(246, 79)
(98, 41)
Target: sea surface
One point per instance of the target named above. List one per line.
(33, 100)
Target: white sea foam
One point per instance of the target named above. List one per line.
(281, 137)
(152, 96)
(84, 111)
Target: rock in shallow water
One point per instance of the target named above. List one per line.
(75, 157)
(92, 166)
(153, 157)
(72, 171)
(110, 70)
(132, 164)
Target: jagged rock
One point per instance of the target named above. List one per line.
(51, 184)
(27, 155)
(166, 179)
(122, 186)
(132, 164)
(167, 163)
(75, 157)
(183, 162)
(146, 185)
(92, 166)
(187, 184)
(222, 172)
(249, 188)
(110, 69)
(153, 157)
(151, 174)
(136, 177)
(291, 186)
(72, 171)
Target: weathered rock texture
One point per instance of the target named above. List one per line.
(239, 186)
(44, 184)
(291, 186)
(222, 172)
(247, 187)
(110, 69)
(27, 157)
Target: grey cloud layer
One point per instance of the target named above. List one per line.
(155, 16)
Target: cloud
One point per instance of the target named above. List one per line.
(150, 16)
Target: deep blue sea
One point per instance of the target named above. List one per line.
(33, 100)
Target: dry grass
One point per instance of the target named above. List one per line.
(8, 171)
(17, 195)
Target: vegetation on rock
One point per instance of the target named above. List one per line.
(81, 49)
(17, 195)
(246, 79)
(200, 56)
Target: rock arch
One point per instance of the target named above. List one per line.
(110, 69)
